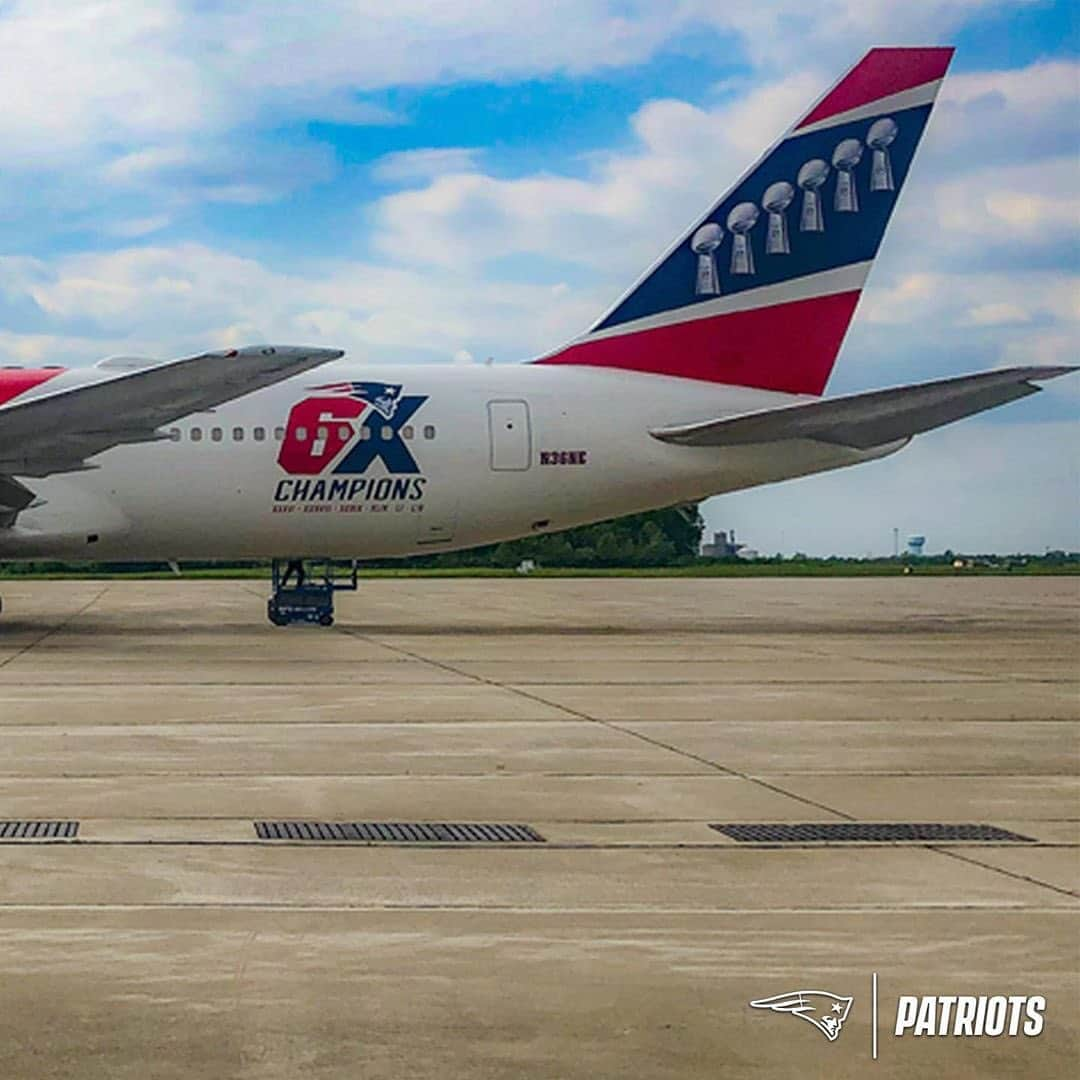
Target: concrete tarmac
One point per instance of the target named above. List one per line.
(619, 718)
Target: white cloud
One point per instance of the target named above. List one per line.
(146, 161)
(955, 298)
(34, 350)
(782, 33)
(79, 75)
(1051, 348)
(998, 314)
(235, 170)
(988, 116)
(130, 228)
(124, 71)
(424, 164)
(110, 72)
(1009, 204)
(617, 218)
(946, 268)
(167, 100)
(167, 299)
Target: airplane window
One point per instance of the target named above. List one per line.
(174, 434)
(238, 434)
(196, 434)
(429, 431)
(215, 434)
(365, 434)
(407, 431)
(279, 433)
(387, 432)
(258, 434)
(321, 433)
(301, 434)
(344, 431)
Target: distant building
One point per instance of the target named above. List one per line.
(915, 545)
(723, 546)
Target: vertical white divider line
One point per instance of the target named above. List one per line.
(873, 1029)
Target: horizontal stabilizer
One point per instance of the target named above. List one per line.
(866, 420)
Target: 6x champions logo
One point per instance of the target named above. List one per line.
(333, 439)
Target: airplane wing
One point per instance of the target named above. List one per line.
(58, 432)
(871, 419)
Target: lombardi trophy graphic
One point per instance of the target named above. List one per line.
(740, 221)
(879, 139)
(811, 179)
(846, 156)
(704, 244)
(774, 202)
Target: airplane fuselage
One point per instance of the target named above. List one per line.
(463, 456)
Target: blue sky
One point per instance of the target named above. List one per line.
(446, 180)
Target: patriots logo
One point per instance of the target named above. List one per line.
(383, 398)
(827, 1012)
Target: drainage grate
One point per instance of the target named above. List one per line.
(38, 830)
(867, 832)
(398, 832)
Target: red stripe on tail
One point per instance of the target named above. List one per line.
(788, 347)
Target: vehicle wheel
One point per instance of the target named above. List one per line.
(326, 620)
(277, 618)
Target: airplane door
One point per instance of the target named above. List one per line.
(510, 434)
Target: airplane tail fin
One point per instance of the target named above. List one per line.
(760, 292)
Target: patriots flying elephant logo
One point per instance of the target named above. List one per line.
(382, 397)
(346, 427)
(827, 1012)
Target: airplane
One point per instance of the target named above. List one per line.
(706, 377)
